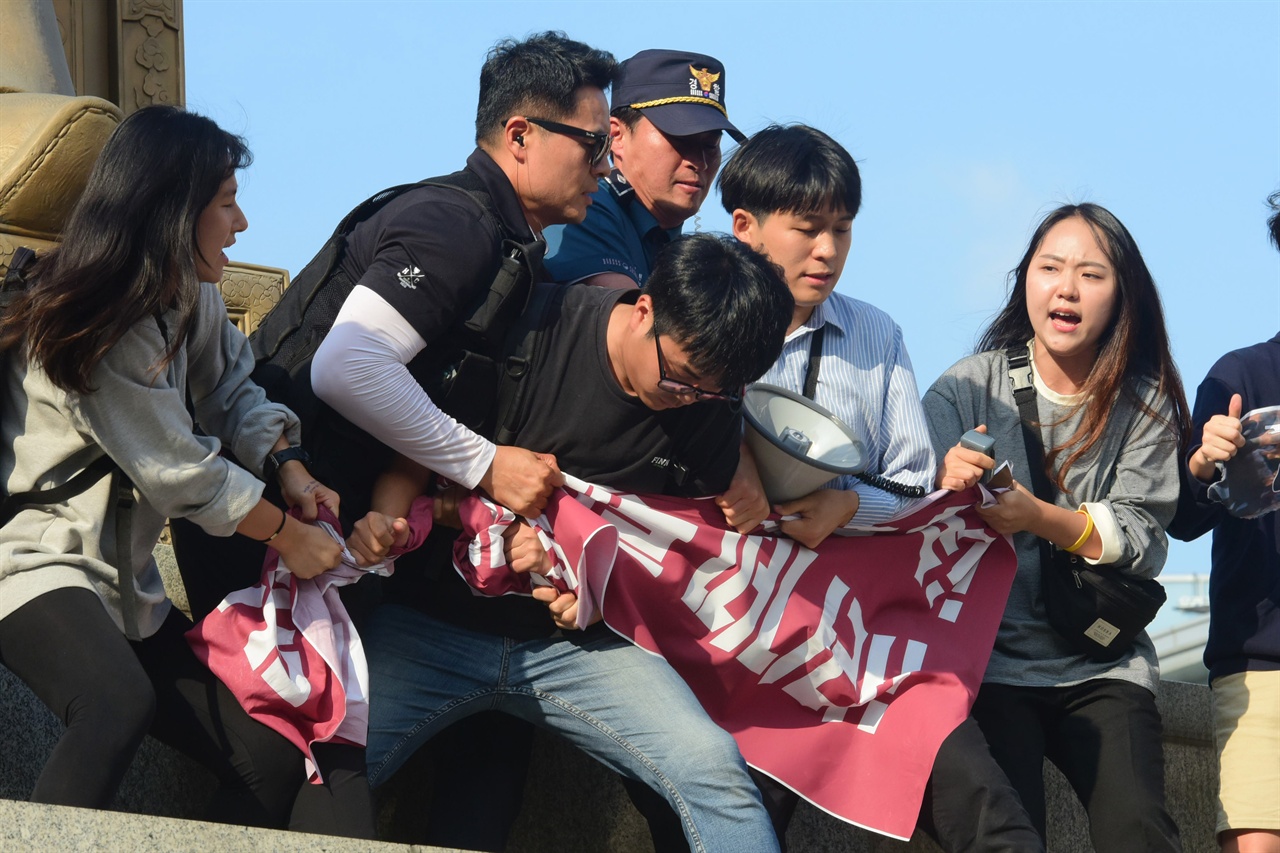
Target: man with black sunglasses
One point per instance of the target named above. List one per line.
(417, 264)
(421, 259)
(668, 115)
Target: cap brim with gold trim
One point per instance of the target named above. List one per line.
(681, 93)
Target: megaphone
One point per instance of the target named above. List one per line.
(798, 445)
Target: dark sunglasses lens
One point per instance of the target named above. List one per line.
(600, 150)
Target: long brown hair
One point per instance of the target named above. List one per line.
(128, 249)
(1134, 348)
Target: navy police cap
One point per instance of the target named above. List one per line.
(681, 93)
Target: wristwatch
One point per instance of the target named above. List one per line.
(271, 465)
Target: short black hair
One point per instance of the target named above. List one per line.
(790, 169)
(538, 76)
(1274, 222)
(629, 116)
(724, 303)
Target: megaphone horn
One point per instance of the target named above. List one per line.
(798, 445)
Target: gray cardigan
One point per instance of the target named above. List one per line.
(1129, 480)
(139, 417)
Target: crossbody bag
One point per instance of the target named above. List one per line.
(1098, 610)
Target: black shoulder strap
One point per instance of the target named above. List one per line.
(508, 294)
(122, 495)
(1024, 394)
(815, 362)
(274, 331)
(469, 184)
(280, 324)
(15, 281)
(95, 471)
(15, 278)
(811, 372)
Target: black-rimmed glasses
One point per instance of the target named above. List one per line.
(684, 389)
(598, 143)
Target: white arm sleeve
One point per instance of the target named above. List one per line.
(360, 371)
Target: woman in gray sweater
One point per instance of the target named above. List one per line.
(117, 349)
(1110, 412)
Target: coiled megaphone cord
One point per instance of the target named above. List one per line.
(893, 487)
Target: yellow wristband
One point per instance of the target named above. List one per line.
(1084, 537)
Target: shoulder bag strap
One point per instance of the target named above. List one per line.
(815, 362)
(811, 388)
(122, 495)
(1024, 394)
(95, 471)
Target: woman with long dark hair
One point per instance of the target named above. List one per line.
(117, 349)
(1110, 413)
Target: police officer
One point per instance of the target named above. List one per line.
(667, 118)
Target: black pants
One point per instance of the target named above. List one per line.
(1104, 735)
(969, 806)
(110, 692)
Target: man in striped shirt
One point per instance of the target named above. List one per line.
(793, 193)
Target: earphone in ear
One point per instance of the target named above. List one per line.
(520, 140)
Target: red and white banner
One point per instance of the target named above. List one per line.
(839, 671)
(287, 650)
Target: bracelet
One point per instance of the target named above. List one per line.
(284, 516)
(1084, 537)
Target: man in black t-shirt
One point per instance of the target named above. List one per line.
(613, 400)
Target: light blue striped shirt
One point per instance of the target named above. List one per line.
(865, 380)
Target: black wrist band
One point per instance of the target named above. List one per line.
(271, 465)
(284, 516)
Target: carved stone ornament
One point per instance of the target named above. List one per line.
(151, 56)
(250, 291)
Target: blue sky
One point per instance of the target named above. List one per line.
(968, 120)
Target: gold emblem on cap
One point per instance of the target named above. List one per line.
(704, 77)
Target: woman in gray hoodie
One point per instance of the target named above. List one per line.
(1084, 319)
(119, 348)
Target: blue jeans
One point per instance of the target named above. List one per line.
(623, 706)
